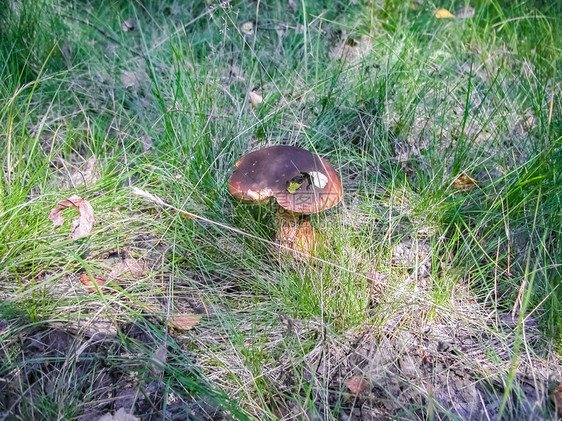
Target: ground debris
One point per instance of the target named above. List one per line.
(85, 174)
(82, 226)
(357, 384)
(120, 415)
(446, 367)
(184, 322)
(129, 269)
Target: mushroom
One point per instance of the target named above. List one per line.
(300, 181)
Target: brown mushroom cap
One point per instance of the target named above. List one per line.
(301, 181)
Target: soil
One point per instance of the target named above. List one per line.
(103, 369)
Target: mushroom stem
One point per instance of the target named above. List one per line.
(297, 233)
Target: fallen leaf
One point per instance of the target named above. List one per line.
(129, 25)
(293, 187)
(158, 360)
(465, 12)
(4, 326)
(443, 13)
(87, 281)
(256, 97)
(187, 215)
(147, 143)
(81, 226)
(377, 282)
(464, 182)
(86, 175)
(557, 398)
(129, 79)
(357, 384)
(377, 278)
(293, 5)
(129, 269)
(247, 28)
(185, 321)
(120, 415)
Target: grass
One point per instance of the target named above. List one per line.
(422, 278)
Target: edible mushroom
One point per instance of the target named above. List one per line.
(300, 181)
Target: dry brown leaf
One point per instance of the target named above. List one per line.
(86, 175)
(120, 415)
(129, 25)
(443, 13)
(81, 226)
(87, 281)
(256, 97)
(377, 282)
(557, 398)
(185, 321)
(158, 360)
(129, 269)
(357, 384)
(187, 215)
(464, 182)
(147, 143)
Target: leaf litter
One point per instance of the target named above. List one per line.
(357, 384)
(120, 415)
(115, 266)
(118, 388)
(256, 97)
(129, 25)
(443, 14)
(81, 226)
(87, 281)
(184, 322)
(464, 182)
(86, 174)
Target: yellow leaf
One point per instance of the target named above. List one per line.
(293, 187)
(443, 13)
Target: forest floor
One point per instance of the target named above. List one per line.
(134, 286)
